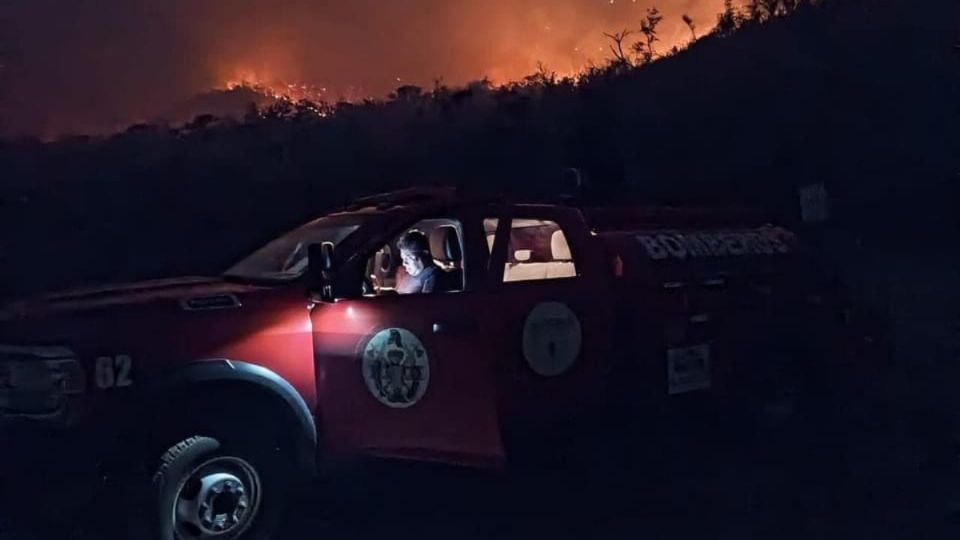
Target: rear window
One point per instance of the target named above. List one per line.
(537, 250)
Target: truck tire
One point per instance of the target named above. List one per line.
(230, 491)
(204, 433)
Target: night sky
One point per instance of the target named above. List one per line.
(95, 65)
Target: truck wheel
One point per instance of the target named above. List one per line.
(206, 490)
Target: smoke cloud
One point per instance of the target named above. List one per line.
(96, 65)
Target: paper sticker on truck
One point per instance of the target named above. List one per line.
(688, 369)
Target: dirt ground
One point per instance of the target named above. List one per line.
(883, 482)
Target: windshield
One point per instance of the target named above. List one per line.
(286, 257)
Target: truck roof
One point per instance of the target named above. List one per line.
(599, 217)
(645, 217)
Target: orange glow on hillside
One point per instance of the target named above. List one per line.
(517, 40)
(310, 49)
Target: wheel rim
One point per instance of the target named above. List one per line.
(218, 499)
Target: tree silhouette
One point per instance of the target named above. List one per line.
(687, 20)
(409, 93)
(645, 50)
(619, 56)
(543, 77)
(764, 10)
(729, 20)
(279, 110)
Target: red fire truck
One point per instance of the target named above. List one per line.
(219, 390)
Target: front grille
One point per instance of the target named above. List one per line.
(35, 381)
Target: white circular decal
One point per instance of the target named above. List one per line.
(396, 368)
(551, 338)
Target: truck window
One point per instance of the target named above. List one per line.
(385, 273)
(286, 257)
(537, 250)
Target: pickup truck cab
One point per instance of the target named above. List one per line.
(216, 392)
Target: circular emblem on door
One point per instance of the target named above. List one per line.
(396, 367)
(551, 338)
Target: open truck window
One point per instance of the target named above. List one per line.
(385, 273)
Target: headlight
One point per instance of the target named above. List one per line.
(36, 380)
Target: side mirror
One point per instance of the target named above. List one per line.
(320, 260)
(326, 256)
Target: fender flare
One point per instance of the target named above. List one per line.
(219, 370)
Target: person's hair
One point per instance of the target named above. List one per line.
(416, 242)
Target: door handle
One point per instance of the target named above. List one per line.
(454, 326)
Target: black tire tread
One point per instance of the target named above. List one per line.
(170, 456)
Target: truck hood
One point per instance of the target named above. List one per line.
(163, 325)
(190, 293)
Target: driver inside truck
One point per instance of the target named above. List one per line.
(422, 274)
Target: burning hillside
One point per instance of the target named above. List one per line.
(233, 98)
(67, 68)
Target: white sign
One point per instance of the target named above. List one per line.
(661, 245)
(814, 203)
(552, 338)
(688, 369)
(396, 368)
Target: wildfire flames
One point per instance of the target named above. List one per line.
(558, 42)
(279, 89)
(311, 50)
(283, 91)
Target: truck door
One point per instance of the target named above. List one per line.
(552, 315)
(409, 376)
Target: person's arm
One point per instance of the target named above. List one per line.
(403, 282)
(429, 283)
